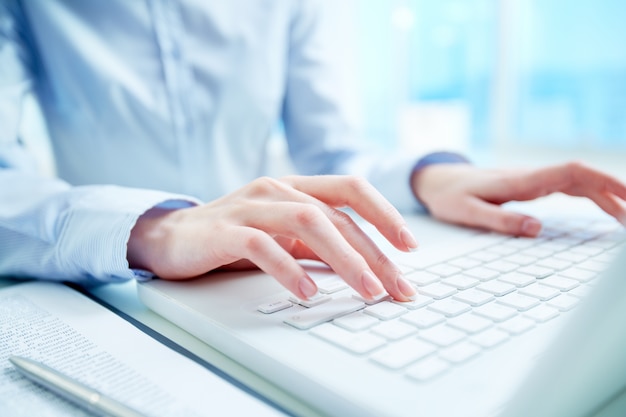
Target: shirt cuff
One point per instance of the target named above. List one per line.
(96, 233)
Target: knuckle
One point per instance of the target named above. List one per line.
(340, 219)
(390, 211)
(282, 265)
(575, 170)
(307, 216)
(265, 186)
(254, 242)
(358, 184)
(384, 262)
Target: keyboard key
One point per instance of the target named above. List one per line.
(517, 325)
(580, 275)
(542, 313)
(359, 343)
(371, 302)
(518, 301)
(461, 352)
(563, 302)
(536, 271)
(588, 250)
(393, 330)
(556, 264)
(538, 252)
(461, 282)
(482, 273)
(427, 369)
(356, 321)
(485, 256)
(539, 291)
(560, 283)
(502, 266)
(311, 302)
(274, 306)
(420, 302)
(593, 265)
(437, 291)
(444, 270)
(442, 335)
(503, 249)
(422, 278)
(495, 312)
(517, 278)
(490, 338)
(571, 256)
(470, 323)
(449, 307)
(423, 318)
(520, 259)
(556, 245)
(473, 297)
(385, 310)
(465, 262)
(604, 257)
(522, 242)
(580, 292)
(497, 288)
(331, 285)
(332, 309)
(403, 353)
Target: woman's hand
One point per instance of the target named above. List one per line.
(466, 195)
(270, 223)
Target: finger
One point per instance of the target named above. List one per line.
(588, 179)
(478, 213)
(263, 251)
(297, 248)
(327, 238)
(573, 178)
(311, 225)
(611, 205)
(364, 199)
(604, 190)
(275, 219)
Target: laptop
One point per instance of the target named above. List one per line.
(503, 326)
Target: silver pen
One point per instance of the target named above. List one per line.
(72, 390)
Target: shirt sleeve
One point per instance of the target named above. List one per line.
(49, 229)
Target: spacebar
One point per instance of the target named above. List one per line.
(322, 313)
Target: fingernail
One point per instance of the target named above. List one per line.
(372, 284)
(531, 227)
(307, 286)
(408, 239)
(407, 289)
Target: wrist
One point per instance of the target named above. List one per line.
(147, 237)
(429, 160)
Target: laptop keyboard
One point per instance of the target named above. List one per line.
(467, 304)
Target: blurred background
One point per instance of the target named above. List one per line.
(501, 80)
(538, 76)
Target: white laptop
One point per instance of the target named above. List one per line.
(503, 326)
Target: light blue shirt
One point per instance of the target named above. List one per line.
(156, 100)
